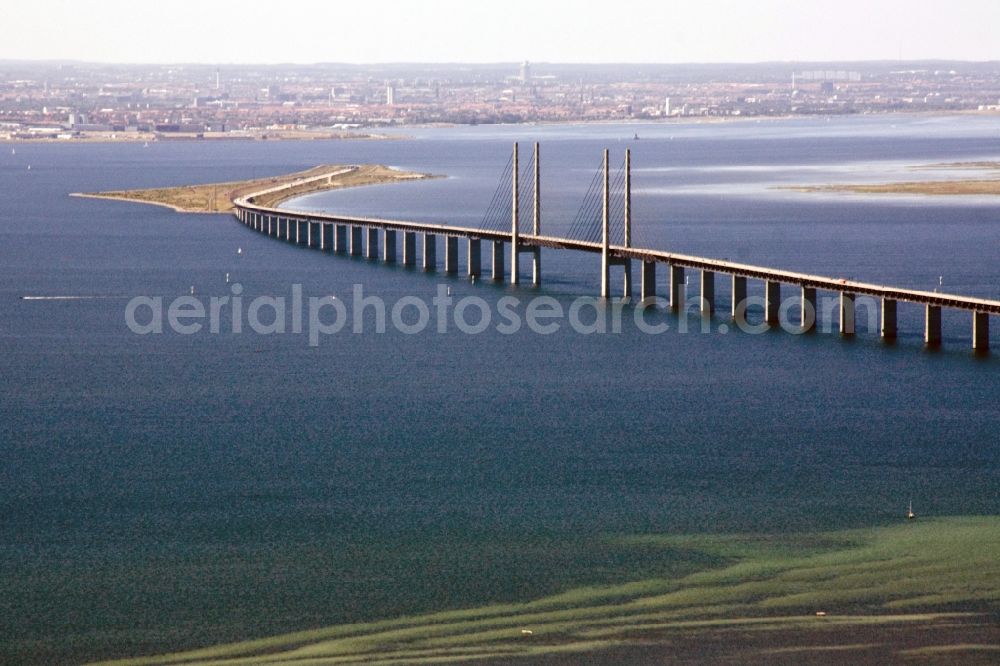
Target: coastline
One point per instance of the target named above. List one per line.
(889, 590)
(153, 137)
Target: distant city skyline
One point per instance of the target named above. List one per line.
(626, 31)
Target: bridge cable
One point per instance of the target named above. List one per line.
(493, 211)
(591, 201)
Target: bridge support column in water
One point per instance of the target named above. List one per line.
(846, 313)
(272, 226)
(451, 255)
(389, 246)
(739, 305)
(888, 327)
(772, 301)
(302, 232)
(474, 252)
(430, 252)
(980, 331)
(536, 266)
(340, 238)
(497, 265)
(371, 247)
(807, 310)
(409, 248)
(932, 324)
(677, 287)
(356, 240)
(315, 233)
(647, 288)
(326, 238)
(707, 292)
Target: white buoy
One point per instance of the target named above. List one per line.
(227, 278)
(29, 167)
(940, 279)
(239, 250)
(449, 291)
(192, 290)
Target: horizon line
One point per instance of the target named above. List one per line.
(487, 63)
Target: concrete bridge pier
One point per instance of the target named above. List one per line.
(497, 265)
(291, 230)
(389, 246)
(326, 238)
(739, 306)
(371, 247)
(678, 288)
(707, 292)
(772, 301)
(627, 279)
(807, 311)
(340, 238)
(932, 325)
(315, 234)
(536, 266)
(451, 255)
(409, 248)
(647, 286)
(272, 227)
(980, 331)
(356, 241)
(846, 313)
(303, 229)
(888, 331)
(430, 252)
(474, 251)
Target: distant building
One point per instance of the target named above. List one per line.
(666, 107)
(390, 95)
(525, 72)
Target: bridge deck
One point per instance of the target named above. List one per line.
(659, 256)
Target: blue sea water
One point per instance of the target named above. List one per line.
(168, 491)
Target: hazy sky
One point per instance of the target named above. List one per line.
(304, 31)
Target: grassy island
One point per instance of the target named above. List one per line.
(219, 197)
(950, 187)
